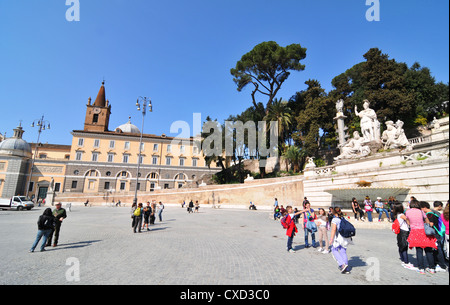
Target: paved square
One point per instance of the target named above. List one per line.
(213, 247)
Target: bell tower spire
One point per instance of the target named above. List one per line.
(97, 114)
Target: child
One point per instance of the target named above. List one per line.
(338, 242)
(322, 220)
(288, 223)
(402, 237)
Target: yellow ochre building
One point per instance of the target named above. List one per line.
(99, 160)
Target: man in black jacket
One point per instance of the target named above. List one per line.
(60, 214)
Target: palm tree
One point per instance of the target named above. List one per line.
(294, 155)
(280, 112)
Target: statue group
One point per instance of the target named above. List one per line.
(371, 139)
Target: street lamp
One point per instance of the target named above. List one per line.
(145, 101)
(40, 123)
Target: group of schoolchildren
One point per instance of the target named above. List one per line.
(425, 229)
(320, 223)
(418, 226)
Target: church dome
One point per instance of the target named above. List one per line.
(16, 146)
(128, 128)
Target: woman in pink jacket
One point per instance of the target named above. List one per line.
(418, 239)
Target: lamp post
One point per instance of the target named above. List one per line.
(41, 125)
(144, 101)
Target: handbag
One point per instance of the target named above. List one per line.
(429, 230)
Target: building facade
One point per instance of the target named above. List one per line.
(101, 161)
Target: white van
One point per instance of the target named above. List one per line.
(17, 202)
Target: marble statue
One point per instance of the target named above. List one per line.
(354, 148)
(370, 127)
(340, 106)
(436, 123)
(394, 136)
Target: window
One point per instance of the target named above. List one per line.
(81, 142)
(169, 148)
(194, 162)
(42, 156)
(57, 187)
(96, 143)
(155, 147)
(125, 158)
(108, 173)
(166, 186)
(142, 146)
(95, 118)
(138, 186)
(182, 149)
(154, 160)
(182, 161)
(122, 186)
(107, 185)
(31, 186)
(74, 184)
(153, 176)
(94, 156)
(127, 145)
(79, 156)
(152, 187)
(168, 160)
(110, 157)
(112, 144)
(141, 159)
(195, 150)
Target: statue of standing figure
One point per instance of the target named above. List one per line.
(370, 127)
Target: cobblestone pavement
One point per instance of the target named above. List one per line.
(213, 247)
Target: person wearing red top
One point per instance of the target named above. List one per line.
(288, 223)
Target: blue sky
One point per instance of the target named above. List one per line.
(180, 54)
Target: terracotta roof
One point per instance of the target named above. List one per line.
(100, 101)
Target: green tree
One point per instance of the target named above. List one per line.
(267, 67)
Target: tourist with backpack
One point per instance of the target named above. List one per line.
(288, 223)
(437, 225)
(338, 239)
(46, 224)
(401, 228)
(419, 239)
(137, 216)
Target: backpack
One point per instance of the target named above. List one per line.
(396, 227)
(283, 222)
(440, 228)
(346, 229)
(137, 212)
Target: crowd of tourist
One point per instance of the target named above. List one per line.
(417, 226)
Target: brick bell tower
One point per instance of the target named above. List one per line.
(97, 114)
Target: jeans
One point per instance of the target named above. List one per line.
(137, 223)
(439, 256)
(40, 234)
(290, 239)
(160, 215)
(380, 211)
(369, 215)
(420, 258)
(313, 236)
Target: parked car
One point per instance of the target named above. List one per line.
(16, 202)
